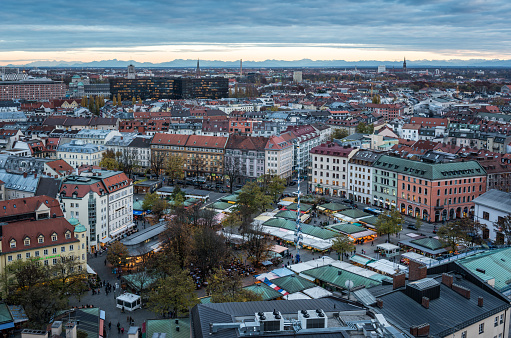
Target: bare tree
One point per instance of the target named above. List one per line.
(128, 160)
(257, 244)
(157, 162)
(234, 169)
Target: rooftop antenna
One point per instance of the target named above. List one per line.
(298, 227)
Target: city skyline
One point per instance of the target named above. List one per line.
(227, 30)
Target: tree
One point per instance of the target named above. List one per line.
(418, 223)
(127, 160)
(133, 100)
(209, 249)
(177, 238)
(364, 128)
(114, 101)
(276, 187)
(119, 101)
(503, 225)
(342, 244)
(109, 160)
(257, 244)
(81, 334)
(389, 223)
(252, 199)
(150, 200)
(42, 290)
(339, 134)
(376, 99)
(225, 288)
(175, 167)
(159, 208)
(84, 102)
(234, 169)
(174, 293)
(117, 254)
(157, 162)
(458, 232)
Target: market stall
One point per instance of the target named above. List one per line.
(408, 256)
(388, 249)
(386, 267)
(129, 302)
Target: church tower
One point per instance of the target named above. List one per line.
(197, 72)
(404, 65)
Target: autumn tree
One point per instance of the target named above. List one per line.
(234, 169)
(376, 99)
(276, 187)
(209, 249)
(257, 244)
(389, 223)
(174, 293)
(338, 134)
(117, 254)
(342, 244)
(174, 166)
(114, 101)
(458, 232)
(252, 199)
(119, 101)
(109, 160)
(177, 239)
(43, 290)
(128, 160)
(225, 288)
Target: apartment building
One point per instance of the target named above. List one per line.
(78, 153)
(249, 152)
(328, 174)
(434, 191)
(102, 200)
(279, 155)
(360, 185)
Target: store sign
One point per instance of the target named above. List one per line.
(48, 257)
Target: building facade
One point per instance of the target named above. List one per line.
(248, 153)
(360, 185)
(32, 90)
(279, 155)
(78, 153)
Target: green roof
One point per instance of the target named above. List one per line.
(168, 326)
(369, 220)
(140, 280)
(286, 214)
(495, 264)
(306, 229)
(264, 290)
(303, 207)
(354, 213)
(334, 206)
(190, 201)
(137, 205)
(361, 260)
(205, 300)
(430, 171)
(430, 243)
(348, 228)
(5, 314)
(330, 274)
(221, 205)
(230, 198)
(293, 283)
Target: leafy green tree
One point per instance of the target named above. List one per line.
(365, 128)
(342, 244)
(159, 208)
(339, 134)
(458, 232)
(174, 293)
(117, 254)
(209, 249)
(418, 223)
(252, 199)
(109, 161)
(389, 223)
(224, 288)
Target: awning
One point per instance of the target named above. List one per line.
(278, 249)
(89, 270)
(6, 326)
(266, 263)
(121, 229)
(137, 212)
(105, 240)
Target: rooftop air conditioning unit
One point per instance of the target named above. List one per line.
(312, 319)
(270, 321)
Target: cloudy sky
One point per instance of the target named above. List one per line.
(163, 30)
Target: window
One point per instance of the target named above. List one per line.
(45, 252)
(40, 239)
(36, 254)
(502, 319)
(54, 261)
(71, 247)
(26, 241)
(54, 250)
(481, 328)
(27, 255)
(68, 234)
(13, 243)
(496, 321)
(62, 249)
(486, 215)
(9, 258)
(54, 237)
(46, 262)
(18, 256)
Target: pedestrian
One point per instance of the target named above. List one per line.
(128, 319)
(122, 330)
(109, 326)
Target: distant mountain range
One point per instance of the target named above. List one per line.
(304, 63)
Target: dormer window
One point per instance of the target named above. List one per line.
(68, 234)
(13, 243)
(26, 241)
(54, 237)
(40, 239)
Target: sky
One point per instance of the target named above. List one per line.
(164, 30)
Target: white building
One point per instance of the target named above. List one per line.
(382, 69)
(297, 76)
(328, 173)
(361, 176)
(410, 132)
(137, 147)
(488, 209)
(102, 200)
(279, 157)
(96, 136)
(78, 153)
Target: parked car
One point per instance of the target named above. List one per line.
(412, 226)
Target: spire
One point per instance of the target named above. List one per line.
(404, 64)
(197, 72)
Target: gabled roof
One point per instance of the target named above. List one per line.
(256, 143)
(22, 206)
(202, 141)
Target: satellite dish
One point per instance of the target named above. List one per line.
(349, 284)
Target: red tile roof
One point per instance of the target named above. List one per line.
(331, 149)
(28, 205)
(61, 167)
(170, 139)
(33, 229)
(207, 141)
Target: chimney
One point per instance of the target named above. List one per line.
(480, 301)
(425, 302)
(423, 330)
(398, 280)
(379, 303)
(413, 330)
(25, 175)
(56, 328)
(416, 271)
(71, 330)
(461, 290)
(447, 279)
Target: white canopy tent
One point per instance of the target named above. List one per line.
(387, 267)
(296, 295)
(418, 258)
(129, 301)
(90, 270)
(317, 292)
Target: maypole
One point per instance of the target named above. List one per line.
(298, 228)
